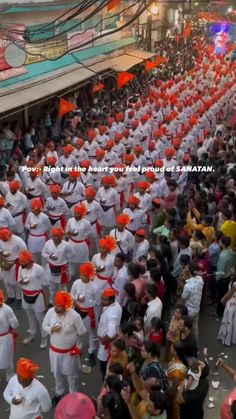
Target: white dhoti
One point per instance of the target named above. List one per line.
(81, 252)
(7, 352)
(65, 369)
(35, 312)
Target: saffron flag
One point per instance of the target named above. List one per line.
(113, 4)
(124, 78)
(65, 107)
(160, 60)
(98, 87)
(150, 65)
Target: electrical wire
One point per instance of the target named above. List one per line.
(123, 12)
(103, 4)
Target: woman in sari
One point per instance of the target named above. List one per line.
(176, 373)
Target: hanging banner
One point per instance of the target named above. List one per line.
(45, 50)
(76, 39)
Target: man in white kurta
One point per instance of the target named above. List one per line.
(84, 293)
(32, 280)
(38, 225)
(108, 326)
(26, 396)
(8, 322)
(141, 246)
(65, 328)
(10, 245)
(6, 219)
(57, 253)
(73, 189)
(103, 263)
(124, 238)
(109, 200)
(17, 204)
(56, 208)
(120, 278)
(94, 214)
(79, 231)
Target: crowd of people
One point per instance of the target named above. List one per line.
(110, 220)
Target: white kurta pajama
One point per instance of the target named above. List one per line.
(36, 279)
(108, 326)
(10, 250)
(57, 211)
(38, 226)
(35, 399)
(125, 241)
(63, 253)
(64, 365)
(81, 231)
(110, 202)
(6, 219)
(103, 279)
(88, 291)
(8, 321)
(17, 205)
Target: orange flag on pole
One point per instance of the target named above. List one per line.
(187, 30)
(66, 107)
(124, 78)
(98, 87)
(160, 60)
(150, 65)
(113, 4)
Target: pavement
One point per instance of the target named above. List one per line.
(91, 383)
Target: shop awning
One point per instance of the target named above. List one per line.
(141, 54)
(37, 91)
(124, 62)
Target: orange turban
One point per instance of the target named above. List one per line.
(25, 257)
(99, 153)
(90, 192)
(80, 141)
(15, 185)
(159, 163)
(26, 369)
(169, 152)
(108, 243)
(57, 231)
(36, 203)
(140, 233)
(2, 296)
(63, 299)
(176, 142)
(150, 175)
(2, 202)
(74, 174)
(123, 219)
(67, 149)
(133, 200)
(119, 136)
(143, 185)
(55, 189)
(85, 163)
(88, 270)
(120, 116)
(109, 292)
(138, 149)
(91, 134)
(109, 180)
(5, 234)
(158, 134)
(110, 144)
(51, 161)
(129, 158)
(80, 209)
